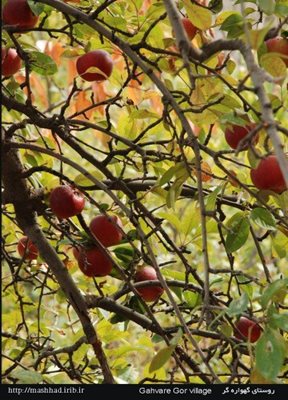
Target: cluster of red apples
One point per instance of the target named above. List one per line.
(93, 261)
(267, 175)
(66, 202)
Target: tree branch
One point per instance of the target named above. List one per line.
(19, 193)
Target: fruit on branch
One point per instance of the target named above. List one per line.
(107, 229)
(94, 262)
(278, 45)
(66, 201)
(10, 62)
(268, 175)
(98, 60)
(236, 133)
(18, 13)
(148, 293)
(246, 329)
(27, 249)
(190, 29)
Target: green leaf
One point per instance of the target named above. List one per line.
(143, 114)
(31, 160)
(238, 232)
(231, 65)
(233, 25)
(36, 7)
(253, 159)
(263, 218)
(157, 338)
(268, 6)
(228, 100)
(238, 306)
(167, 176)
(226, 329)
(256, 377)
(210, 200)
(125, 254)
(172, 219)
(176, 188)
(199, 16)
(176, 338)
(178, 292)
(177, 169)
(270, 353)
(41, 63)
(223, 16)
(161, 358)
(279, 321)
(27, 377)
(281, 8)
(273, 291)
(233, 119)
(280, 244)
(192, 298)
(246, 286)
(232, 19)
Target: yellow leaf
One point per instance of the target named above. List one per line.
(199, 16)
(274, 65)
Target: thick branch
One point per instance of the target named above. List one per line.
(19, 193)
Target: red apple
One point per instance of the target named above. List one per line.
(93, 262)
(27, 249)
(268, 175)
(278, 45)
(18, 13)
(236, 133)
(66, 202)
(98, 59)
(148, 293)
(11, 62)
(190, 29)
(106, 229)
(247, 329)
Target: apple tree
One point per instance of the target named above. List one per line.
(144, 188)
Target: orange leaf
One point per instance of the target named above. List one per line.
(145, 5)
(99, 95)
(54, 50)
(104, 139)
(37, 88)
(72, 72)
(81, 104)
(157, 104)
(135, 92)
